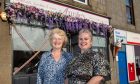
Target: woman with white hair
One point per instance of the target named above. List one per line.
(87, 66)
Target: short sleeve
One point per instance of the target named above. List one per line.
(101, 65)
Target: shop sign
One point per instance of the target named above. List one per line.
(133, 38)
(45, 5)
(119, 35)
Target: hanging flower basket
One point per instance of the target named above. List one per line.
(30, 15)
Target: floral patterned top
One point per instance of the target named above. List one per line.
(84, 66)
(50, 71)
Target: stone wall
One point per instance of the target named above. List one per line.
(5, 52)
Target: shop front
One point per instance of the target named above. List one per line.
(32, 21)
(128, 56)
(133, 39)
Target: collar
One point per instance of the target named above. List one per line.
(87, 51)
(63, 52)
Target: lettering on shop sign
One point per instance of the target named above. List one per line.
(71, 13)
(120, 35)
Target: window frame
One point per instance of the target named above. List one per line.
(129, 6)
(86, 2)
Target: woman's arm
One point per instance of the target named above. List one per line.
(41, 69)
(96, 80)
(101, 69)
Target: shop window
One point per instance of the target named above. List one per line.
(20, 57)
(82, 1)
(35, 37)
(99, 44)
(130, 12)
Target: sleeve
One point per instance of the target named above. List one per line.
(101, 66)
(66, 72)
(40, 70)
(70, 56)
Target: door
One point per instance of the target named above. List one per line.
(122, 64)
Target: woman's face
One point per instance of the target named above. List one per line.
(84, 41)
(57, 41)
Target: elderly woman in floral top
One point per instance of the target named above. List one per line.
(87, 67)
(52, 65)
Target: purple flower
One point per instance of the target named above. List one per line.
(47, 18)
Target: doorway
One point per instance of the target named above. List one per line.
(122, 64)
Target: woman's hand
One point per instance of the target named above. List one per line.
(95, 80)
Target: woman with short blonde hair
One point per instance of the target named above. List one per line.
(60, 33)
(52, 65)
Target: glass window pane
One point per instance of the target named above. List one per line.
(129, 16)
(99, 41)
(127, 2)
(34, 36)
(128, 12)
(82, 0)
